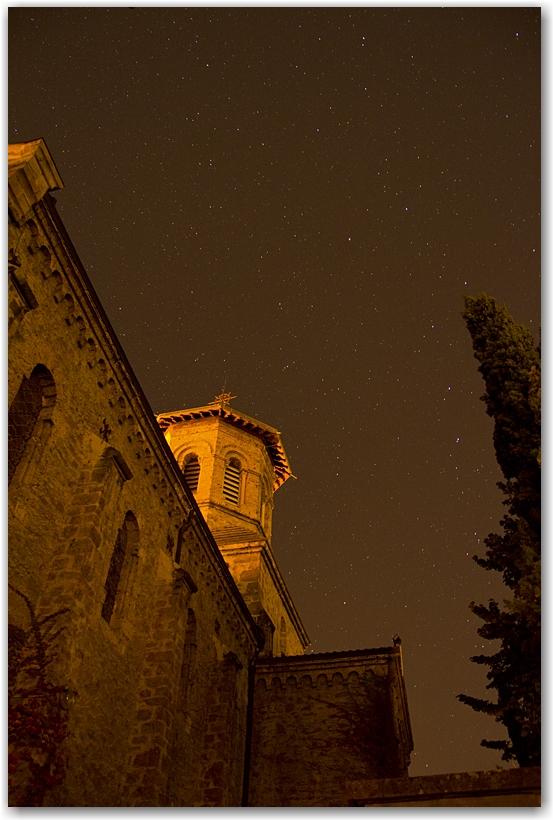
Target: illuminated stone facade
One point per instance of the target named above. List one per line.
(240, 464)
(181, 642)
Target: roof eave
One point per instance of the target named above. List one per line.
(269, 435)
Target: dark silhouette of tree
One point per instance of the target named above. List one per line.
(37, 724)
(510, 365)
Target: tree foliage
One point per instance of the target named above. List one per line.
(511, 365)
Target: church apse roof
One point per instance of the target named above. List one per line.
(219, 409)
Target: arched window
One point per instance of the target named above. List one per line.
(231, 482)
(191, 471)
(35, 398)
(122, 571)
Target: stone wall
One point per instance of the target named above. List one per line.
(157, 650)
(322, 720)
(499, 788)
(258, 578)
(215, 441)
(243, 530)
(158, 645)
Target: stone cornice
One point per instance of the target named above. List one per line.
(31, 174)
(323, 662)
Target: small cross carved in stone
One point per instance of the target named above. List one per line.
(105, 431)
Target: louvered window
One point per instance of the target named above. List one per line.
(231, 484)
(192, 473)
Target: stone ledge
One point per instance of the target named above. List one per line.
(500, 787)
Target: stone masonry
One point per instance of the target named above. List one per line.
(95, 459)
(181, 647)
(322, 720)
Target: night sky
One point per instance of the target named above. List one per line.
(291, 203)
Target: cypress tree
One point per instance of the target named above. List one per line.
(510, 365)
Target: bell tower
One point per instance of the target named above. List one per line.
(234, 464)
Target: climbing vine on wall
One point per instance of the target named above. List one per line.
(371, 729)
(37, 723)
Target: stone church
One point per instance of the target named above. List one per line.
(179, 655)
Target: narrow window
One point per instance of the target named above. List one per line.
(265, 506)
(122, 570)
(282, 636)
(34, 394)
(231, 483)
(180, 540)
(191, 472)
(189, 659)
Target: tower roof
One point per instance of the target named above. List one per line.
(269, 436)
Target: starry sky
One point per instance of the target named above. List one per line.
(291, 202)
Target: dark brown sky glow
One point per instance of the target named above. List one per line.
(293, 202)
